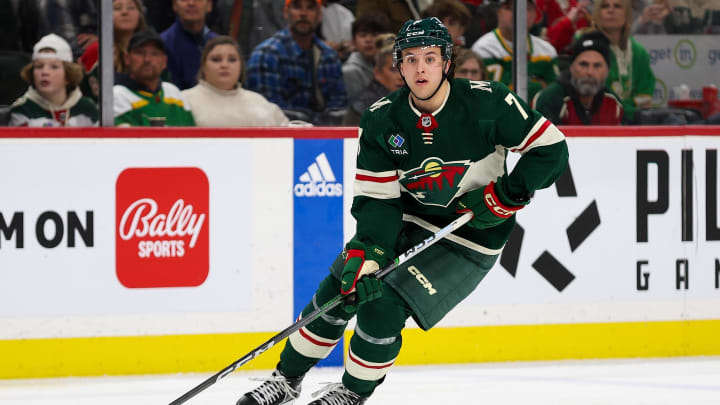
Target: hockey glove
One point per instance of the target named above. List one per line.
(490, 206)
(361, 262)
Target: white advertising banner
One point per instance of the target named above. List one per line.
(631, 235)
(692, 60)
(112, 237)
(116, 237)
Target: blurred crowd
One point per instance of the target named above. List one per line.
(225, 63)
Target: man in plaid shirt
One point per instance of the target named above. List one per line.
(297, 71)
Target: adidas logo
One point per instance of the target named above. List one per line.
(319, 180)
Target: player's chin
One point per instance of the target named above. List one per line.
(420, 91)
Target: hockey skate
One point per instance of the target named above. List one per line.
(337, 394)
(275, 390)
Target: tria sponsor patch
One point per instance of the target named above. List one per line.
(162, 221)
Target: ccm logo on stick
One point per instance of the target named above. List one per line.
(162, 217)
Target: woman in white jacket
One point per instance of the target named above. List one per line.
(218, 100)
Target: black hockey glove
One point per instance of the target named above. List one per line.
(361, 262)
(489, 206)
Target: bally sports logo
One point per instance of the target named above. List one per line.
(162, 221)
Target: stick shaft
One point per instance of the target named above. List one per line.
(457, 223)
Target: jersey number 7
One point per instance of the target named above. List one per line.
(510, 100)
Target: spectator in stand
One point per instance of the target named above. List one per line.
(335, 28)
(218, 100)
(580, 97)
(468, 64)
(251, 26)
(74, 20)
(454, 16)
(358, 69)
(660, 17)
(297, 71)
(630, 77)
(53, 98)
(549, 11)
(160, 14)
(561, 32)
(483, 19)
(140, 97)
(128, 18)
(396, 12)
(495, 48)
(185, 39)
(386, 79)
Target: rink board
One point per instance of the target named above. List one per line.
(619, 259)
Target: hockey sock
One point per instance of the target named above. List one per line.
(376, 342)
(316, 340)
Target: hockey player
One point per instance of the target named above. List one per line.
(432, 149)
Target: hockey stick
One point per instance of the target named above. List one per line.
(457, 223)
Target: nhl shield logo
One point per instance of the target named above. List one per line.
(426, 123)
(435, 182)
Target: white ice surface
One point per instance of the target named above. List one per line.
(677, 381)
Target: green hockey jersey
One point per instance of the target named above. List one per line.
(33, 110)
(414, 167)
(497, 54)
(134, 105)
(631, 76)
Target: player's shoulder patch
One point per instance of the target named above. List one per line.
(381, 109)
(481, 85)
(382, 102)
(477, 90)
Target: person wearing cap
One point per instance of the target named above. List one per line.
(299, 72)
(185, 40)
(427, 153)
(53, 98)
(140, 96)
(496, 49)
(582, 98)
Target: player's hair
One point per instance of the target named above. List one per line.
(451, 9)
(73, 75)
(211, 44)
(625, 35)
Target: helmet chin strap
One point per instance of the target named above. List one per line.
(444, 76)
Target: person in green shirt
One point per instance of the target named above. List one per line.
(140, 97)
(496, 50)
(428, 151)
(53, 98)
(630, 76)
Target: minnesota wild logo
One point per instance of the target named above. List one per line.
(435, 182)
